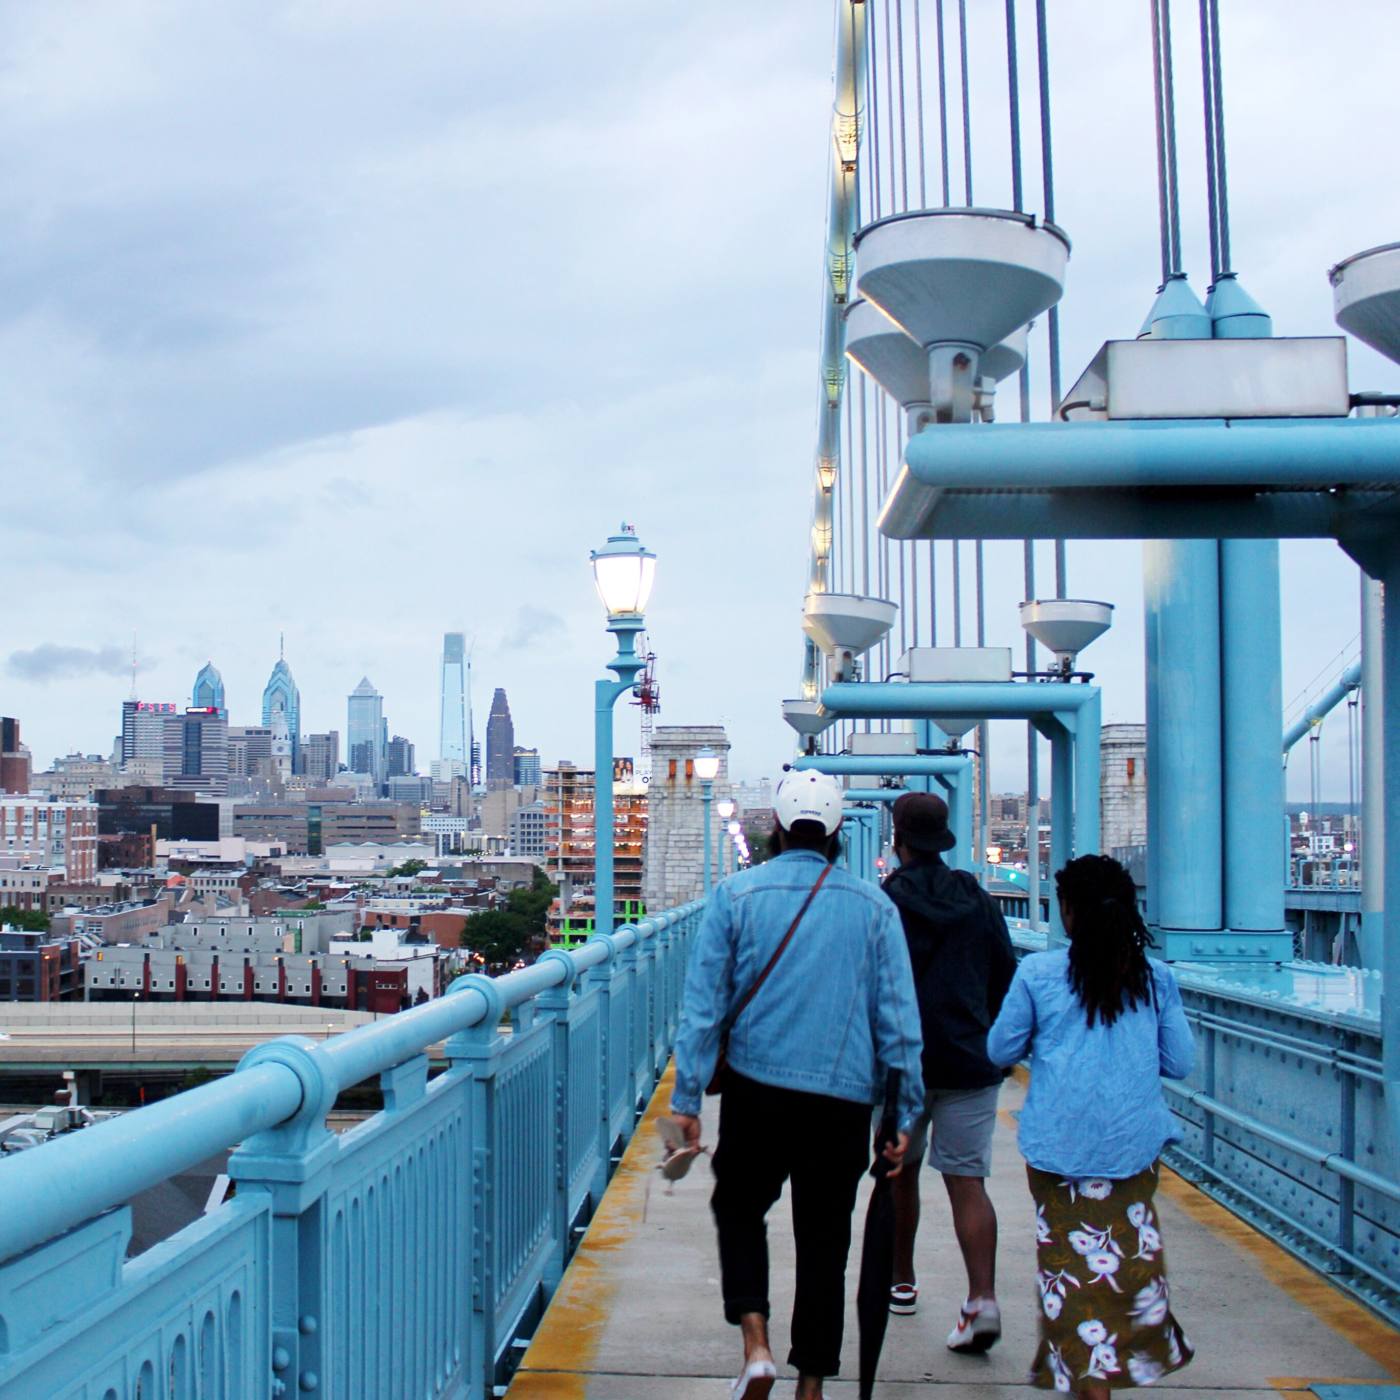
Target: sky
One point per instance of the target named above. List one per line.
(359, 322)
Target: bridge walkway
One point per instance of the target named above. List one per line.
(638, 1314)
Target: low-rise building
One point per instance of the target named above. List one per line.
(39, 966)
(58, 836)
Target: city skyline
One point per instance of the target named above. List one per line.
(338, 384)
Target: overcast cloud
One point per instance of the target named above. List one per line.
(362, 322)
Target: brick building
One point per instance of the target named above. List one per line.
(38, 966)
(58, 836)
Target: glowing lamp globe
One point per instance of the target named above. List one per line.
(734, 828)
(623, 573)
(725, 808)
(707, 765)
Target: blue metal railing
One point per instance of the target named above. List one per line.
(400, 1258)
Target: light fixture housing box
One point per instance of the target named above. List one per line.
(937, 665)
(1294, 377)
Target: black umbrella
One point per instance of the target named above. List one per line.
(877, 1249)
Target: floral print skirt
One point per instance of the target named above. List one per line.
(1105, 1317)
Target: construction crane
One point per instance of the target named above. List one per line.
(646, 694)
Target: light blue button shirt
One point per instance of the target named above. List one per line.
(836, 1013)
(1095, 1106)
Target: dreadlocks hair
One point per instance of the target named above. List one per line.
(1107, 939)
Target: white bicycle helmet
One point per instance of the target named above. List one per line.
(808, 796)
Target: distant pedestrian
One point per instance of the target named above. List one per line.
(963, 962)
(1102, 1022)
(806, 1057)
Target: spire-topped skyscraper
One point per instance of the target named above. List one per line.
(282, 698)
(500, 743)
(209, 690)
(455, 732)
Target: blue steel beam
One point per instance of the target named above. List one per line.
(1320, 708)
(1221, 479)
(886, 765)
(1271, 453)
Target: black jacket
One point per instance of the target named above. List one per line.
(963, 963)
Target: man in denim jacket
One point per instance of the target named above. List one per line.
(806, 1060)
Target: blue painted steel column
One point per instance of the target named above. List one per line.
(1061, 816)
(1372, 938)
(1181, 584)
(1390, 960)
(1088, 730)
(626, 664)
(1251, 661)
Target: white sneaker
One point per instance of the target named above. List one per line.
(979, 1326)
(755, 1381)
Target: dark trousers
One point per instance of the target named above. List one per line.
(822, 1145)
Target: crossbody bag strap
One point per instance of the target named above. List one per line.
(781, 948)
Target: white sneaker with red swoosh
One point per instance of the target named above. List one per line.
(979, 1326)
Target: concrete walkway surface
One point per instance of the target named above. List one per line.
(638, 1315)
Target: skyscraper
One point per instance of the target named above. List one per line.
(322, 756)
(195, 751)
(364, 731)
(143, 730)
(455, 733)
(527, 767)
(399, 758)
(281, 697)
(209, 690)
(500, 743)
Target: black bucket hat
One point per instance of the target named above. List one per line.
(921, 823)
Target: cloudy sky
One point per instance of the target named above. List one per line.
(361, 321)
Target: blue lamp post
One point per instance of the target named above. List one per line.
(725, 809)
(707, 770)
(623, 573)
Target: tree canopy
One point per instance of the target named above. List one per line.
(27, 920)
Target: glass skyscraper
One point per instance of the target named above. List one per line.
(282, 700)
(364, 731)
(209, 690)
(455, 729)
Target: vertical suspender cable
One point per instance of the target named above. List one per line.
(984, 804)
(1032, 749)
(966, 101)
(889, 103)
(903, 114)
(932, 596)
(957, 593)
(1158, 93)
(1218, 104)
(919, 102)
(1047, 180)
(1013, 90)
(942, 101)
(876, 206)
(864, 492)
(1208, 107)
(1169, 109)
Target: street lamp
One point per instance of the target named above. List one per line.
(135, 997)
(707, 770)
(725, 808)
(623, 573)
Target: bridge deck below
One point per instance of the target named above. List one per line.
(638, 1314)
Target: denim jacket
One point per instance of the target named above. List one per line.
(1095, 1106)
(837, 1011)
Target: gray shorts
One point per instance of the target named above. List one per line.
(955, 1131)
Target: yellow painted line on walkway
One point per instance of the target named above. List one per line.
(556, 1365)
(1311, 1290)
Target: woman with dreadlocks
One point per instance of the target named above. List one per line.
(1102, 1022)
